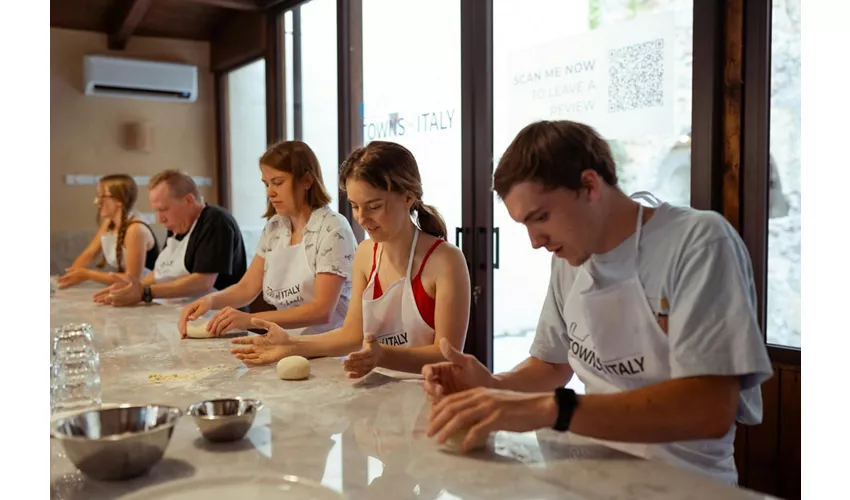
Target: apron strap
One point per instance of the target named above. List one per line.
(638, 230)
(647, 196)
(412, 252)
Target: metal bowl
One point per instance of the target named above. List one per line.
(223, 420)
(115, 443)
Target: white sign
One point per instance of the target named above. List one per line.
(618, 79)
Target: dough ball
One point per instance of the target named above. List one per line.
(198, 331)
(455, 441)
(293, 368)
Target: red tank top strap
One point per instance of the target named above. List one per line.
(428, 254)
(374, 259)
(377, 290)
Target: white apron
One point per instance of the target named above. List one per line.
(394, 317)
(288, 282)
(171, 265)
(617, 345)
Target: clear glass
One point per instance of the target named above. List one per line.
(73, 339)
(411, 91)
(75, 381)
(784, 223)
(623, 67)
(246, 135)
(319, 117)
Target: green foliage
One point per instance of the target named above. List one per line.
(595, 9)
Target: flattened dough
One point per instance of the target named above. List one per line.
(454, 442)
(293, 368)
(198, 331)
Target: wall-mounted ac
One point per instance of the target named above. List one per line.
(138, 79)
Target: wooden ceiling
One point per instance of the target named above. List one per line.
(187, 19)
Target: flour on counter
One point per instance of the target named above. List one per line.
(156, 378)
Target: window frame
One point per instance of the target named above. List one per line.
(736, 187)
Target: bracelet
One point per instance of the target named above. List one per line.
(567, 403)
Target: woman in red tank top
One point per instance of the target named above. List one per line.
(410, 286)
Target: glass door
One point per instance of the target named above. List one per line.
(412, 92)
(623, 68)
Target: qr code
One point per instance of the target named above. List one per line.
(636, 74)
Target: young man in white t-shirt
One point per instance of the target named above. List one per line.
(652, 307)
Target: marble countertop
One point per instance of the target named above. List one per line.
(327, 437)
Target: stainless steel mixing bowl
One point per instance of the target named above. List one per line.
(118, 442)
(222, 420)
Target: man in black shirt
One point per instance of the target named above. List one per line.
(203, 250)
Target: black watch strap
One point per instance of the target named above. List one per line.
(567, 402)
(146, 294)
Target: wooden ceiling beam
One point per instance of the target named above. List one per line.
(131, 15)
(268, 4)
(246, 5)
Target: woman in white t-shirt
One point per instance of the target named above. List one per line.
(123, 241)
(303, 261)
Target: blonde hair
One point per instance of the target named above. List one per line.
(296, 158)
(123, 188)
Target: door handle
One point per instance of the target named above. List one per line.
(482, 233)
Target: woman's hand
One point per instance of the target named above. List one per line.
(359, 364)
(275, 345)
(191, 312)
(228, 319)
(73, 276)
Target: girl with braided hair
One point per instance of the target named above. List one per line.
(123, 241)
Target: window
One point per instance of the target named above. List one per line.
(411, 91)
(311, 106)
(622, 67)
(783, 261)
(246, 140)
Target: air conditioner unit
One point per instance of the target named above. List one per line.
(138, 79)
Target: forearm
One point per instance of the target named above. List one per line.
(410, 359)
(101, 277)
(670, 411)
(193, 284)
(534, 375)
(297, 317)
(335, 343)
(83, 260)
(235, 296)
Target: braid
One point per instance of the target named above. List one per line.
(119, 245)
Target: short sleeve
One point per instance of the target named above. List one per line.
(214, 250)
(551, 343)
(335, 247)
(713, 329)
(270, 232)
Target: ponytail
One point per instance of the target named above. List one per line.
(429, 220)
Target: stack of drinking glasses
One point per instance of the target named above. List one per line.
(74, 369)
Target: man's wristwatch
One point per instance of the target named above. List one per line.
(567, 403)
(146, 294)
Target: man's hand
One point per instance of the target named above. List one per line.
(127, 291)
(228, 319)
(459, 373)
(483, 411)
(360, 363)
(264, 349)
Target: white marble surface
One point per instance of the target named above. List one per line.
(327, 437)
